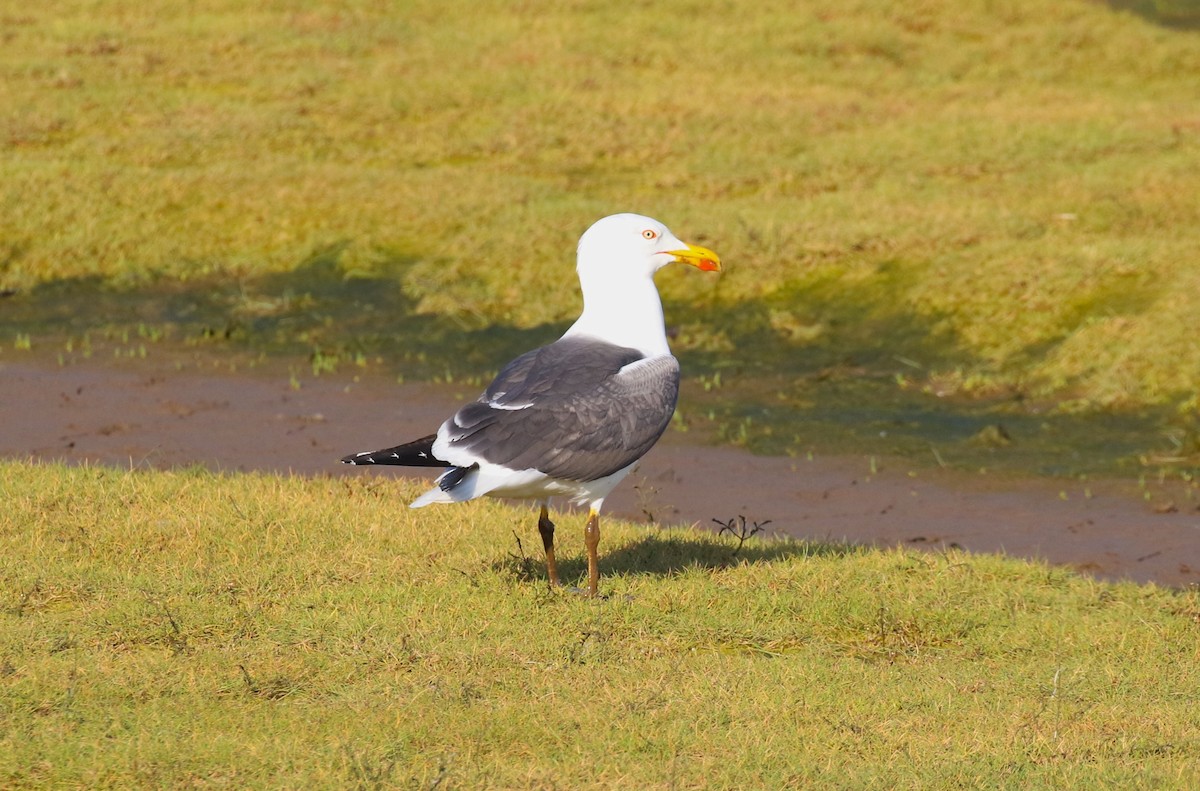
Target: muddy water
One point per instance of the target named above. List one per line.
(867, 383)
(155, 416)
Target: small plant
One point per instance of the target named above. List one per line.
(738, 528)
(525, 570)
(645, 496)
(323, 361)
(177, 640)
(737, 433)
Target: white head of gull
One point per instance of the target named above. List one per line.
(617, 260)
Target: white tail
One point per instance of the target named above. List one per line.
(434, 495)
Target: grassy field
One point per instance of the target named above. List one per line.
(184, 629)
(939, 219)
(958, 203)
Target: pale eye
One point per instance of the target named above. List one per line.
(649, 234)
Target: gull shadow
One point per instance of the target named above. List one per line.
(669, 552)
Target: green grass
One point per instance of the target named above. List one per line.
(174, 629)
(936, 218)
(1011, 183)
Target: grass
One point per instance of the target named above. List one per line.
(1000, 193)
(943, 222)
(170, 629)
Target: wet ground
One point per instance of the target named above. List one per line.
(152, 415)
(869, 380)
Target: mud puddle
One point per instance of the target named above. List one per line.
(150, 415)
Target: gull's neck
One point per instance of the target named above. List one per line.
(622, 311)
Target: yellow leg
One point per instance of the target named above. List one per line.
(546, 528)
(591, 536)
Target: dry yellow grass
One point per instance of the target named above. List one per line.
(171, 629)
(1013, 182)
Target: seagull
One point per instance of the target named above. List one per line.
(571, 419)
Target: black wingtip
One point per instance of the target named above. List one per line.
(418, 453)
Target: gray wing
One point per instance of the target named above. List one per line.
(578, 409)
